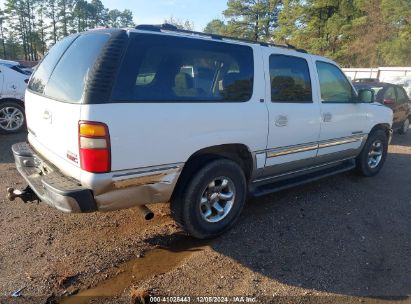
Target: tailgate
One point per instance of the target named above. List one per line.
(55, 95)
(53, 131)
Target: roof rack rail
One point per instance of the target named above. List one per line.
(173, 28)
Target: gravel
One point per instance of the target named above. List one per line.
(344, 239)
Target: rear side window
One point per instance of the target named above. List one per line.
(290, 79)
(171, 69)
(401, 95)
(390, 94)
(40, 78)
(335, 88)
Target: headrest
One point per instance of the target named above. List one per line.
(282, 82)
(230, 79)
(184, 81)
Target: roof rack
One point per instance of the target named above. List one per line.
(172, 28)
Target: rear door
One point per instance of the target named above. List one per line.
(343, 119)
(54, 97)
(294, 116)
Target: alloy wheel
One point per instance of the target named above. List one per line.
(375, 154)
(217, 199)
(11, 118)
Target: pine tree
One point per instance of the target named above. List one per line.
(252, 19)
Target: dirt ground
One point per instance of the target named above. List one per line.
(344, 239)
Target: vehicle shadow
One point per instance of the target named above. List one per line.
(345, 235)
(6, 141)
(402, 140)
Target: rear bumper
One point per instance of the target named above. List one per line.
(49, 184)
(97, 192)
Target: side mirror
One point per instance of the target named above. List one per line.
(388, 101)
(365, 95)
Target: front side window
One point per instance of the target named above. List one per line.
(290, 79)
(171, 69)
(334, 86)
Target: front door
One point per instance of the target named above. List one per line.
(294, 115)
(343, 118)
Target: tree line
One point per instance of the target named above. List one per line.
(29, 27)
(354, 33)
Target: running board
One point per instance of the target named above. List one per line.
(263, 189)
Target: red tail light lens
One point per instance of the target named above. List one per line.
(94, 144)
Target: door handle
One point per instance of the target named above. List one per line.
(281, 121)
(327, 117)
(47, 115)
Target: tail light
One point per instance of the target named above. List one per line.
(94, 144)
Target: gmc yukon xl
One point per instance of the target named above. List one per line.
(125, 118)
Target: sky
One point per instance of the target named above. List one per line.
(156, 11)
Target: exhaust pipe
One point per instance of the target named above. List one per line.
(147, 213)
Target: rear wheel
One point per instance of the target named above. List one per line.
(373, 154)
(11, 117)
(212, 200)
(405, 126)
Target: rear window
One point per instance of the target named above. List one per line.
(170, 69)
(40, 78)
(65, 79)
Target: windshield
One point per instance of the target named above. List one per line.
(14, 68)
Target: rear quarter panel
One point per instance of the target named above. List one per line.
(150, 134)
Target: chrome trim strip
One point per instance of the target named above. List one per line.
(160, 176)
(314, 146)
(292, 149)
(147, 170)
(340, 141)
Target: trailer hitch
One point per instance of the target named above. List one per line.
(27, 195)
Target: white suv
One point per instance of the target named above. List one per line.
(13, 82)
(124, 118)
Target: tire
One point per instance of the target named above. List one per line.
(12, 118)
(405, 126)
(192, 205)
(364, 165)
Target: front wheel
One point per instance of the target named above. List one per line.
(212, 200)
(373, 154)
(405, 126)
(11, 117)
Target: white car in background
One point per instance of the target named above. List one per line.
(13, 83)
